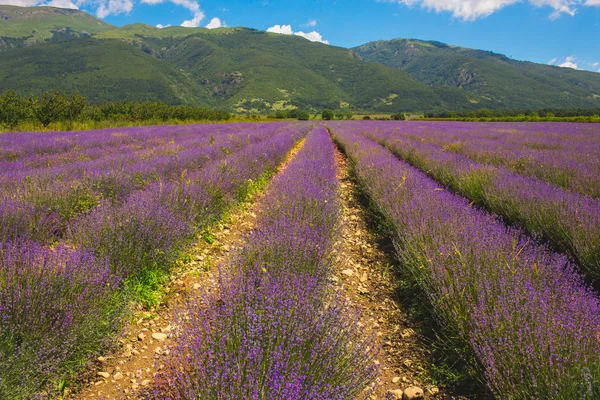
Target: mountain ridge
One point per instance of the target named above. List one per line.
(247, 70)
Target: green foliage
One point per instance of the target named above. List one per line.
(490, 80)
(303, 116)
(398, 117)
(54, 107)
(366, 118)
(546, 114)
(327, 115)
(252, 72)
(14, 108)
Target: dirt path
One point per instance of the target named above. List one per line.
(365, 276)
(146, 340)
(362, 273)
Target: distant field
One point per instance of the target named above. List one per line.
(496, 233)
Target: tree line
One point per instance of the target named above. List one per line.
(545, 114)
(56, 107)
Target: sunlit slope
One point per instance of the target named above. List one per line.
(489, 76)
(21, 26)
(100, 70)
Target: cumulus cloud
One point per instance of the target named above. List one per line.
(595, 64)
(311, 23)
(215, 23)
(287, 30)
(22, 3)
(312, 36)
(62, 4)
(194, 22)
(281, 29)
(569, 62)
(161, 26)
(190, 5)
(114, 7)
(470, 10)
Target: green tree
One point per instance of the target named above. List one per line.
(51, 107)
(327, 115)
(14, 109)
(74, 107)
(398, 116)
(303, 115)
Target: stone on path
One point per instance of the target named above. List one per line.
(395, 394)
(161, 337)
(413, 393)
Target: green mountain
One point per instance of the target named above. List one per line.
(494, 77)
(45, 48)
(23, 26)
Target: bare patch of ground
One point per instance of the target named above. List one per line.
(368, 280)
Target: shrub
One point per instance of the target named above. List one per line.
(303, 116)
(14, 109)
(327, 115)
(57, 308)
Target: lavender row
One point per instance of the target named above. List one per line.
(143, 233)
(563, 155)
(37, 149)
(59, 306)
(40, 207)
(569, 221)
(530, 322)
(273, 329)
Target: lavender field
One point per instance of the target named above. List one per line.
(496, 227)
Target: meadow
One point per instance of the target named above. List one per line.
(495, 230)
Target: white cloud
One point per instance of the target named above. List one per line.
(62, 4)
(22, 3)
(287, 30)
(470, 10)
(553, 61)
(569, 63)
(161, 26)
(595, 64)
(114, 7)
(215, 23)
(281, 29)
(312, 36)
(194, 22)
(311, 23)
(190, 5)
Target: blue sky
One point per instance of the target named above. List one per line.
(565, 32)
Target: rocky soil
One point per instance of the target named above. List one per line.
(363, 273)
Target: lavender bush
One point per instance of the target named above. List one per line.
(120, 203)
(57, 307)
(273, 328)
(530, 321)
(561, 154)
(569, 221)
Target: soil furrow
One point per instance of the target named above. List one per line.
(146, 341)
(365, 273)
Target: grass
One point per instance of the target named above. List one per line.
(148, 288)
